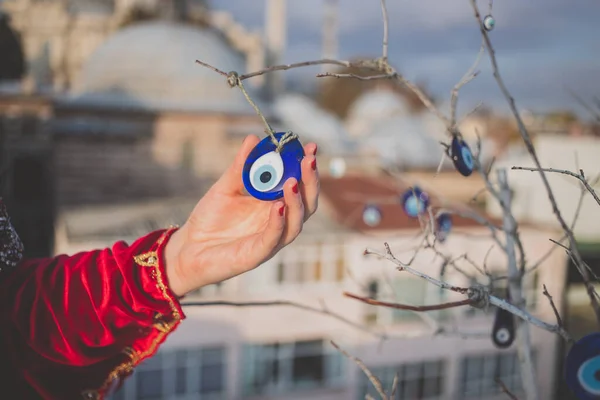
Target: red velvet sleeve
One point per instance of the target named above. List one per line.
(75, 324)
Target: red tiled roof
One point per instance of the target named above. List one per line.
(347, 196)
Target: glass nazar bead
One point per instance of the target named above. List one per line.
(266, 170)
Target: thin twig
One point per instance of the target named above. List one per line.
(285, 67)
(585, 105)
(372, 378)
(468, 77)
(399, 306)
(585, 265)
(556, 314)
(359, 77)
(384, 16)
(580, 176)
(564, 237)
(505, 389)
(287, 303)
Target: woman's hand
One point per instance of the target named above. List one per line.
(229, 233)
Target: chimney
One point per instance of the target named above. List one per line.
(330, 31)
(275, 41)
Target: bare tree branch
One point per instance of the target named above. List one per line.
(399, 306)
(476, 294)
(286, 303)
(515, 285)
(285, 67)
(531, 149)
(556, 314)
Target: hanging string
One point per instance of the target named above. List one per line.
(233, 79)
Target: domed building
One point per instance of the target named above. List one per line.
(167, 124)
(114, 109)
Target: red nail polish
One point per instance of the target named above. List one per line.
(315, 152)
(295, 188)
(281, 210)
(313, 164)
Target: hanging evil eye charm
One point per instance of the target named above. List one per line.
(337, 167)
(462, 157)
(488, 23)
(503, 331)
(415, 202)
(443, 226)
(582, 367)
(266, 170)
(371, 215)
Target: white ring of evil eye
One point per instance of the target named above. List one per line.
(502, 335)
(266, 172)
(589, 369)
(489, 22)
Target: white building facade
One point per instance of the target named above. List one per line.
(284, 352)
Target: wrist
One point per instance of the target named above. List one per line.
(172, 257)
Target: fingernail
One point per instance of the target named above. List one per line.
(281, 210)
(315, 151)
(295, 188)
(313, 164)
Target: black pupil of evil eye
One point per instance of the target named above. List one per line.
(265, 177)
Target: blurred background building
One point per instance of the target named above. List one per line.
(109, 129)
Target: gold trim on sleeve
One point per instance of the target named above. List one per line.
(150, 260)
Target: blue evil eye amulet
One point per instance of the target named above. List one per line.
(371, 215)
(266, 170)
(443, 226)
(503, 331)
(489, 23)
(415, 202)
(582, 367)
(461, 156)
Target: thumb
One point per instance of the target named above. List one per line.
(231, 181)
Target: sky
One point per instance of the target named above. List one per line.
(543, 47)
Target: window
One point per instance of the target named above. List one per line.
(411, 291)
(416, 381)
(479, 374)
(371, 312)
(178, 375)
(309, 263)
(277, 368)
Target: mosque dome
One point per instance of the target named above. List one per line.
(151, 65)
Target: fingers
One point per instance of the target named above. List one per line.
(310, 185)
(294, 213)
(275, 227)
(231, 180)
